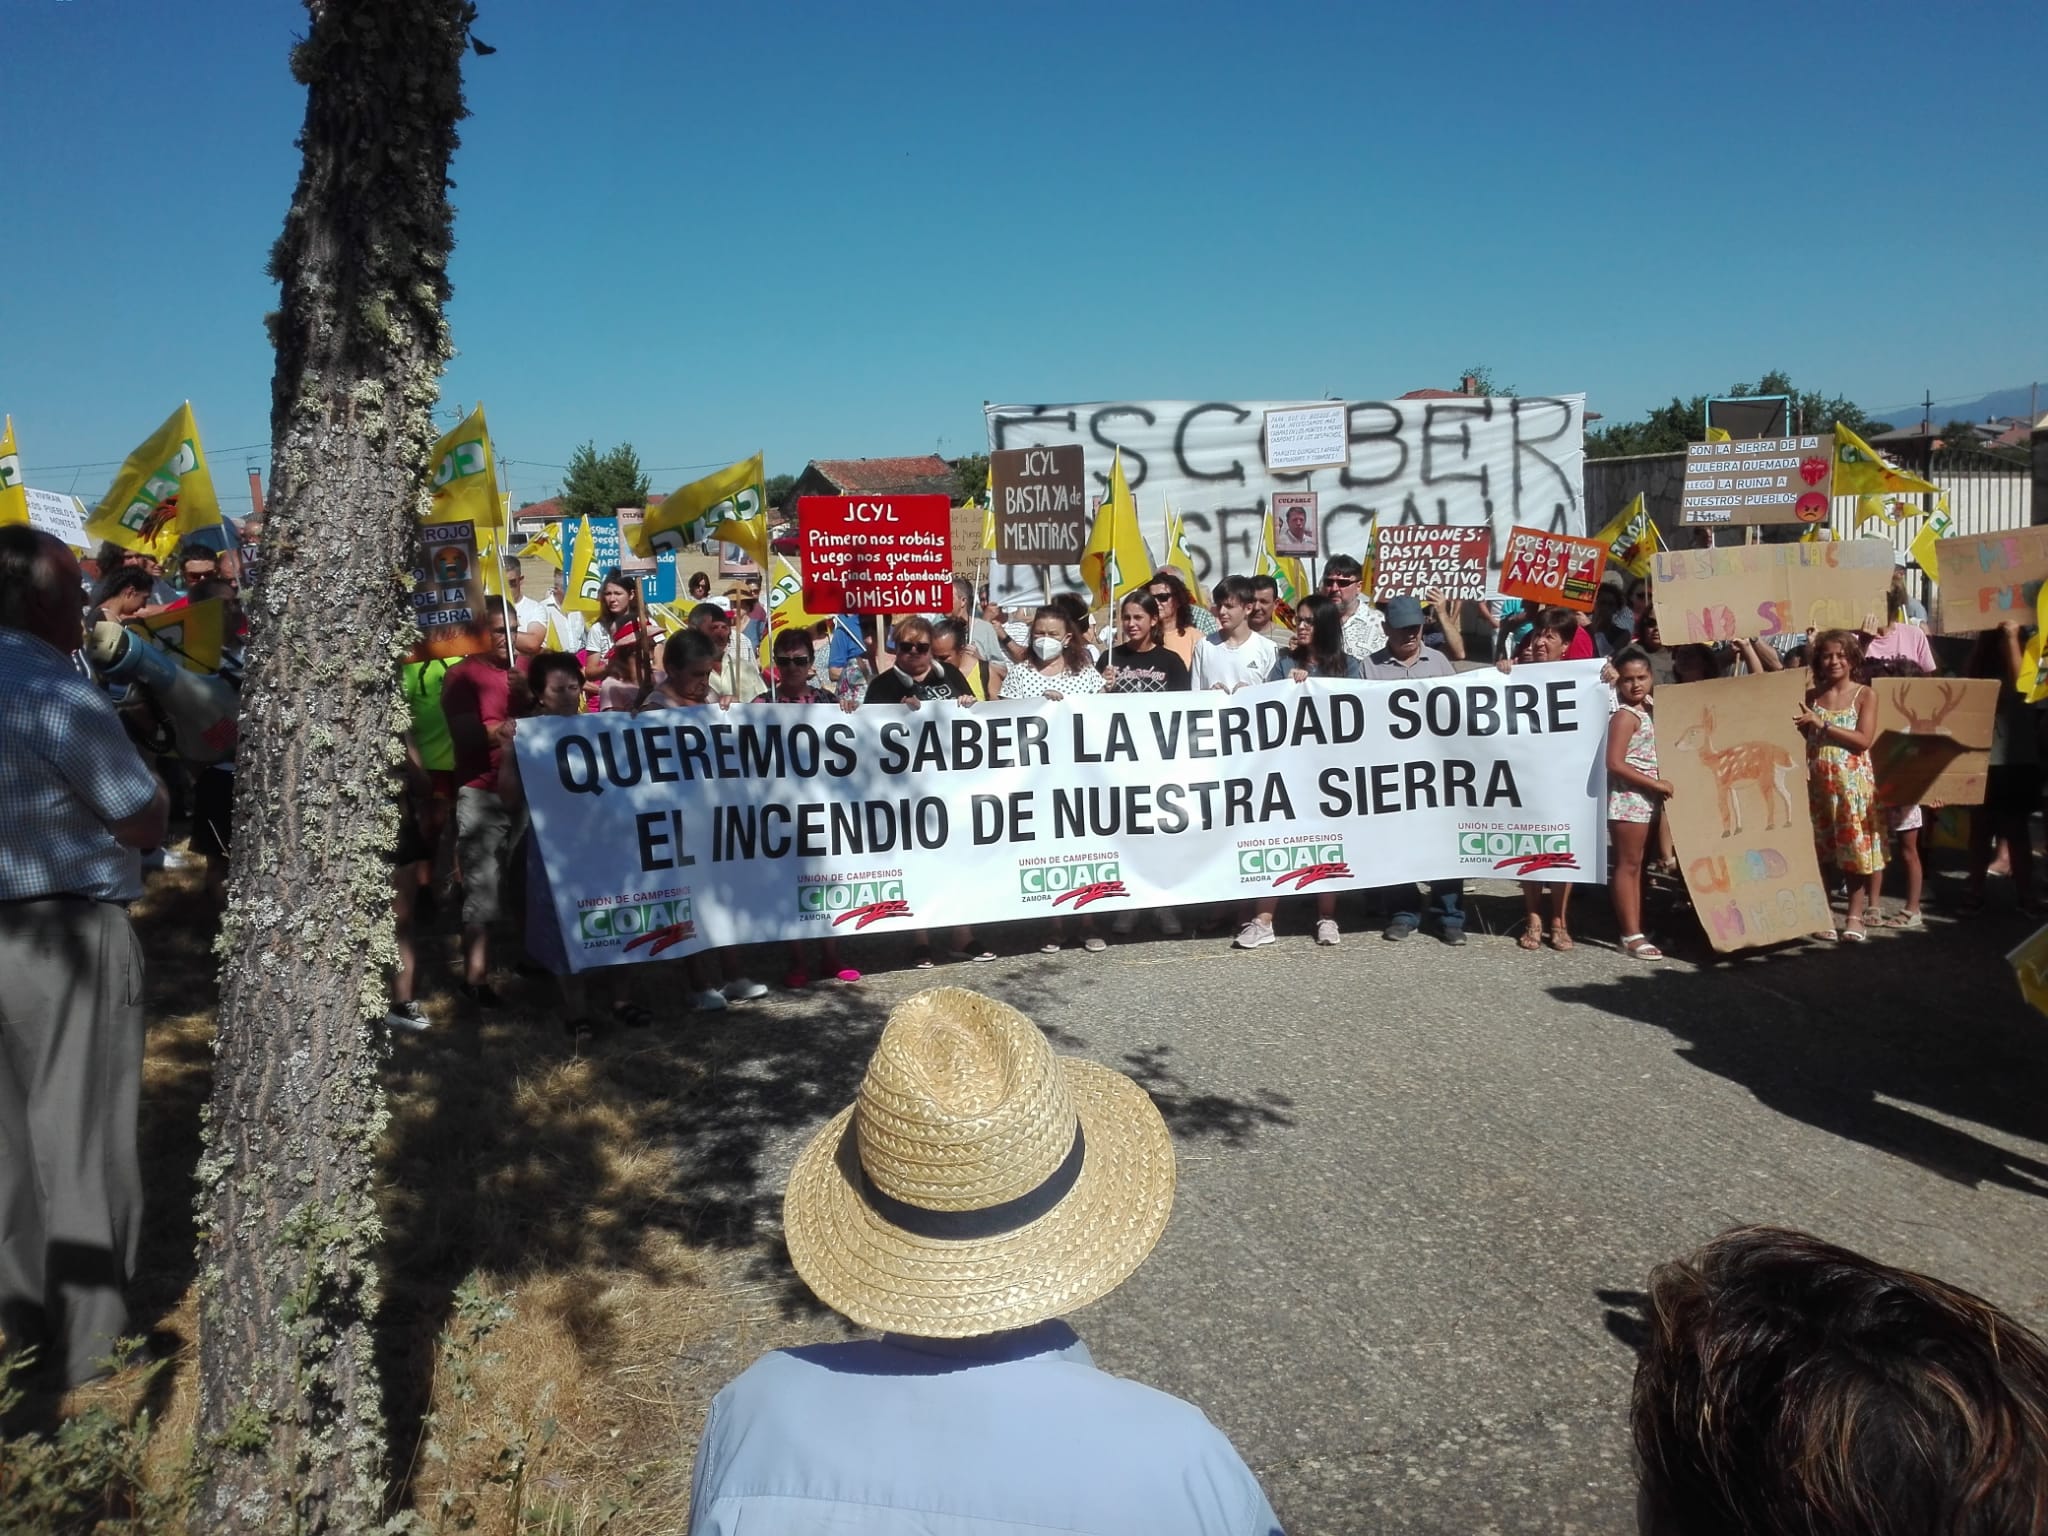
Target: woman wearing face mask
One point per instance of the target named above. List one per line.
(1143, 661)
(1057, 667)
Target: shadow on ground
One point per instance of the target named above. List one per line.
(1863, 1041)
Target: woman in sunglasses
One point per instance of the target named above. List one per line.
(796, 672)
(916, 676)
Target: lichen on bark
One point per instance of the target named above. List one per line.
(290, 1419)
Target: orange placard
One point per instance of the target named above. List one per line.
(1552, 568)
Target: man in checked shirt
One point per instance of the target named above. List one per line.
(78, 804)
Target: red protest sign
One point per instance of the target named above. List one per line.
(876, 554)
(1447, 562)
(1552, 568)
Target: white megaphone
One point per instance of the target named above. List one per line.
(201, 709)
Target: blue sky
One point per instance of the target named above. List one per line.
(829, 231)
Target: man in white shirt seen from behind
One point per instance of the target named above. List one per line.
(979, 1189)
(1234, 657)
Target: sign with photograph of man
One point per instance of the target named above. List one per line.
(1294, 523)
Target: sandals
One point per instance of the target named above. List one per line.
(1532, 936)
(962, 956)
(1560, 938)
(1636, 947)
(921, 958)
(1852, 932)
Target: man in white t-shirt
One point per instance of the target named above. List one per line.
(529, 618)
(1233, 657)
(570, 628)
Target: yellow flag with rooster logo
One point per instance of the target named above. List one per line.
(163, 492)
(1631, 539)
(1859, 471)
(580, 590)
(1115, 559)
(784, 599)
(1177, 556)
(731, 506)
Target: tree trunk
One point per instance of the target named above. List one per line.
(291, 1430)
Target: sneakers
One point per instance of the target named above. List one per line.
(1123, 924)
(1169, 922)
(1094, 944)
(1454, 937)
(1398, 929)
(406, 1017)
(1253, 934)
(742, 989)
(1326, 931)
(707, 1001)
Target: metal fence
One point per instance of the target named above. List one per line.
(1987, 493)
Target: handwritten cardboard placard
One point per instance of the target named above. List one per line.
(1739, 818)
(1757, 591)
(1934, 739)
(1450, 562)
(1760, 480)
(1987, 578)
(1552, 568)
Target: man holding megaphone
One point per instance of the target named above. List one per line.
(80, 804)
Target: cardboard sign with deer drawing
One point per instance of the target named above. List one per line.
(1934, 739)
(1739, 817)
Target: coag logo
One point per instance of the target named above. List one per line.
(156, 504)
(611, 925)
(460, 462)
(1521, 853)
(859, 902)
(1298, 864)
(1076, 882)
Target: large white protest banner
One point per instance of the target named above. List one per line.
(1469, 461)
(677, 830)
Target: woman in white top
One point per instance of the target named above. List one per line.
(1056, 667)
(1057, 664)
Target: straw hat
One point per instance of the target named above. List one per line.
(979, 1182)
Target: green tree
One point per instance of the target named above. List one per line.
(970, 476)
(1488, 387)
(777, 491)
(1668, 428)
(291, 1433)
(598, 484)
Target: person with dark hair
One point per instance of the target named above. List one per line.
(122, 593)
(1364, 631)
(1404, 658)
(1139, 662)
(736, 676)
(476, 700)
(1542, 636)
(1183, 621)
(2012, 786)
(1266, 598)
(81, 804)
(1793, 1388)
(1636, 793)
(1318, 645)
(952, 647)
(917, 676)
(1839, 721)
(699, 586)
(1058, 666)
(1233, 657)
(196, 562)
(616, 628)
(796, 671)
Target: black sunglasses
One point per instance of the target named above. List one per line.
(913, 647)
(793, 661)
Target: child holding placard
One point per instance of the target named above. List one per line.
(1634, 795)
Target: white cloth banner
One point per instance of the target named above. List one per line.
(1467, 461)
(679, 830)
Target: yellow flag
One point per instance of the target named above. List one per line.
(490, 564)
(1631, 538)
(1718, 435)
(731, 506)
(1115, 558)
(1285, 570)
(163, 492)
(2032, 682)
(988, 514)
(784, 599)
(465, 475)
(545, 545)
(195, 633)
(1177, 556)
(1932, 532)
(579, 592)
(1858, 470)
(13, 491)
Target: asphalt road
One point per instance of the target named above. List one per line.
(1421, 1188)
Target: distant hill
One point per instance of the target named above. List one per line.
(2000, 402)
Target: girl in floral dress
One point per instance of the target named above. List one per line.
(1839, 720)
(1635, 790)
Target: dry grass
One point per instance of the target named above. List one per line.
(581, 1240)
